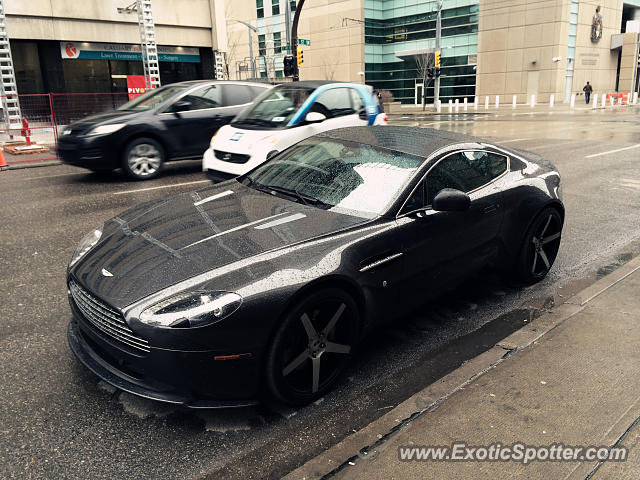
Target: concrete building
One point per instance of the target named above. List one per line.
(489, 47)
(554, 47)
(64, 47)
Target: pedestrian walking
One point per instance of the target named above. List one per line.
(587, 92)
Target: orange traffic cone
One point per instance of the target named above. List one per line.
(3, 162)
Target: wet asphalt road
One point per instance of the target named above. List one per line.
(57, 420)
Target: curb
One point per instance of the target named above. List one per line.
(368, 441)
(36, 164)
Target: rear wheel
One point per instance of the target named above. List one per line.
(312, 347)
(143, 158)
(540, 247)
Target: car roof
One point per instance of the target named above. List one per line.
(308, 84)
(202, 82)
(417, 141)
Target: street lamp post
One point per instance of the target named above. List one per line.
(250, 28)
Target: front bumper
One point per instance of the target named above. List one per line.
(189, 378)
(98, 152)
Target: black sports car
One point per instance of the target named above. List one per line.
(173, 122)
(265, 283)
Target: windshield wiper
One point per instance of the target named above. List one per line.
(253, 121)
(303, 197)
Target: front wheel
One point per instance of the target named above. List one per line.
(143, 158)
(312, 347)
(540, 247)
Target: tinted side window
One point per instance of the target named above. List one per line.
(205, 97)
(464, 171)
(336, 102)
(237, 94)
(356, 100)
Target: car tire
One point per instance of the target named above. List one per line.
(312, 347)
(143, 158)
(539, 247)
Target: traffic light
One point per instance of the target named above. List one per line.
(437, 72)
(300, 56)
(430, 72)
(437, 62)
(289, 67)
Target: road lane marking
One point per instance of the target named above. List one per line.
(161, 186)
(613, 151)
(51, 176)
(213, 197)
(235, 229)
(514, 140)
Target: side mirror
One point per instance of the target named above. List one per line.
(362, 114)
(181, 106)
(314, 117)
(451, 200)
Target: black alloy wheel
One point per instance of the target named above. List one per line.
(312, 347)
(143, 158)
(540, 247)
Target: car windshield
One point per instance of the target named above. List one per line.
(152, 98)
(274, 109)
(346, 177)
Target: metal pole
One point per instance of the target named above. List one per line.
(436, 83)
(287, 22)
(251, 59)
(294, 40)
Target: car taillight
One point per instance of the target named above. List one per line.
(385, 118)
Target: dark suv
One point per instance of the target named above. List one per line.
(173, 122)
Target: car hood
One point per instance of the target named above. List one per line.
(238, 140)
(159, 244)
(115, 116)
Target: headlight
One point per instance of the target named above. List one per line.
(86, 244)
(192, 309)
(105, 129)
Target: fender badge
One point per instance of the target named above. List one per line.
(106, 273)
(236, 136)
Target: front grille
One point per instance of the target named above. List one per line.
(231, 157)
(105, 318)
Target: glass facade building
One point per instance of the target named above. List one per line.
(393, 26)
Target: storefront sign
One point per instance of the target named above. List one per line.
(123, 51)
(135, 85)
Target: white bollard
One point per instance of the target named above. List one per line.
(635, 98)
(465, 104)
(497, 101)
(439, 106)
(552, 100)
(604, 100)
(476, 101)
(515, 99)
(595, 101)
(486, 102)
(457, 106)
(450, 106)
(533, 101)
(573, 100)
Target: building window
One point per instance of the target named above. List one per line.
(279, 74)
(275, 7)
(293, 5)
(262, 45)
(277, 43)
(260, 8)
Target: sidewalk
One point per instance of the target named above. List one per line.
(571, 377)
(395, 109)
